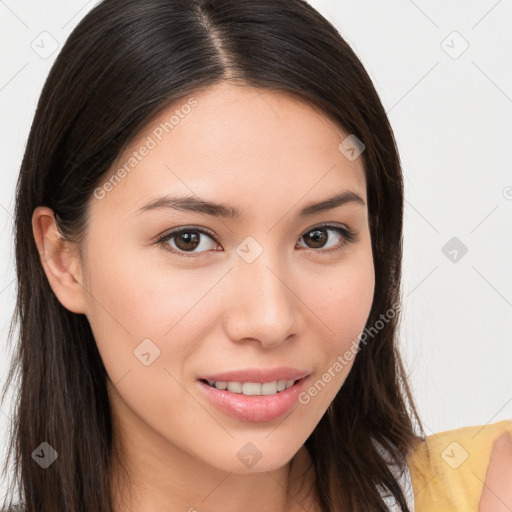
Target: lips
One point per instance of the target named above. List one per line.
(259, 408)
(257, 375)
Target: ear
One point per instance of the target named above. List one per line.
(60, 261)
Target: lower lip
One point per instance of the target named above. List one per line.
(253, 408)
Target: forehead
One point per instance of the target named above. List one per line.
(232, 143)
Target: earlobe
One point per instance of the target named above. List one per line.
(60, 261)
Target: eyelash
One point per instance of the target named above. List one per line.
(348, 235)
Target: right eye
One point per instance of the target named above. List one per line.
(186, 240)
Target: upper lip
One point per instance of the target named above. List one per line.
(258, 375)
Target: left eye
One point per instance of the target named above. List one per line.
(317, 237)
(186, 240)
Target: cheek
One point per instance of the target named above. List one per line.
(141, 318)
(342, 309)
(135, 308)
(342, 300)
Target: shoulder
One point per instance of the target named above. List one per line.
(448, 469)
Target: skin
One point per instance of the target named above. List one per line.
(269, 154)
(497, 490)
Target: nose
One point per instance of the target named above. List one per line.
(262, 305)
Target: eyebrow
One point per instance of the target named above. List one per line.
(194, 204)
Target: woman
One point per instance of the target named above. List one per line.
(208, 244)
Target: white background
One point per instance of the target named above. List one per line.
(451, 115)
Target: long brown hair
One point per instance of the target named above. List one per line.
(123, 63)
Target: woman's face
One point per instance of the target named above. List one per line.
(263, 290)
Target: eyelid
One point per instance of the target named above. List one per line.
(173, 231)
(326, 225)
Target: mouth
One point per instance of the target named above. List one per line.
(255, 402)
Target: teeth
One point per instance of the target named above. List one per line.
(253, 388)
(235, 387)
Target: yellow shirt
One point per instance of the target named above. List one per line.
(448, 469)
